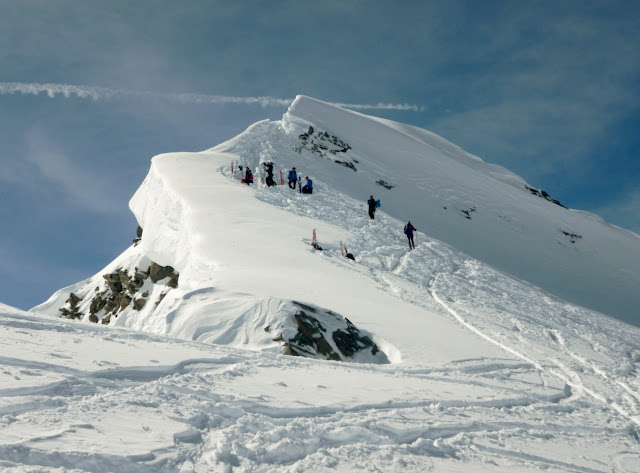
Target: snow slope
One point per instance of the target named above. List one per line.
(84, 397)
(488, 372)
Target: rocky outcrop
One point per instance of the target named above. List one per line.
(71, 310)
(121, 290)
(468, 212)
(324, 144)
(326, 335)
(346, 164)
(138, 235)
(384, 184)
(573, 237)
(543, 194)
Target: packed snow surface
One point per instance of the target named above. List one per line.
(488, 372)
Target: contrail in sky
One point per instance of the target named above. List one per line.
(105, 93)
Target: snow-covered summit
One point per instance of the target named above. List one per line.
(472, 369)
(482, 209)
(220, 235)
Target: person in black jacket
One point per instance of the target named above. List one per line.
(372, 207)
(269, 168)
(248, 176)
(408, 230)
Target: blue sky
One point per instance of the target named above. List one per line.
(547, 89)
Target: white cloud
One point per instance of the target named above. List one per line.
(105, 93)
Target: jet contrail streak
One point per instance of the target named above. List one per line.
(105, 93)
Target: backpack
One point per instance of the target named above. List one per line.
(377, 204)
(405, 229)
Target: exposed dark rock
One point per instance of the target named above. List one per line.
(305, 306)
(113, 281)
(73, 311)
(111, 304)
(543, 194)
(314, 340)
(351, 341)
(572, 236)
(119, 291)
(160, 297)
(384, 184)
(138, 304)
(97, 304)
(157, 272)
(124, 302)
(346, 164)
(321, 143)
(309, 341)
(468, 212)
(138, 235)
(93, 318)
(173, 282)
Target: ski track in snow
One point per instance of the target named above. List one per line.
(410, 268)
(232, 410)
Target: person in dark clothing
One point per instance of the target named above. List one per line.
(269, 168)
(248, 176)
(408, 230)
(308, 187)
(293, 178)
(372, 207)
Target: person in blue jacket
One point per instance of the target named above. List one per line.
(408, 230)
(308, 187)
(293, 178)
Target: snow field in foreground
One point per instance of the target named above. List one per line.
(77, 397)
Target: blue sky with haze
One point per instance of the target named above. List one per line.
(548, 89)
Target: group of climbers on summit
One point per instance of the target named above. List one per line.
(372, 203)
(293, 179)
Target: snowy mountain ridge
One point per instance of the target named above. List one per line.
(202, 224)
(483, 371)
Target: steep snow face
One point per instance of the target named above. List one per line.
(483, 209)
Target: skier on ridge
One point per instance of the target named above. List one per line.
(268, 166)
(293, 178)
(308, 187)
(373, 205)
(248, 176)
(408, 230)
